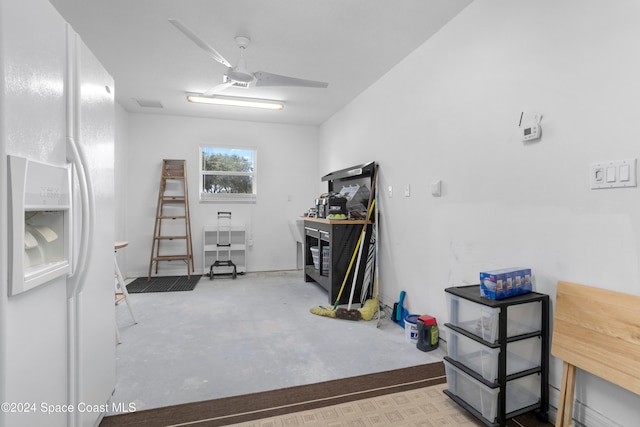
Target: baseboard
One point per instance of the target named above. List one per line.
(583, 416)
(183, 272)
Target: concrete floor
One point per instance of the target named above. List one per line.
(230, 337)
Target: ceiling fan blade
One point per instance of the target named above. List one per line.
(268, 79)
(217, 89)
(197, 40)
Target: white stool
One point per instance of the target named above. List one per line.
(120, 287)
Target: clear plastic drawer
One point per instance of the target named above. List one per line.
(521, 392)
(482, 320)
(521, 355)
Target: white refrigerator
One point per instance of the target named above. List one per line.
(57, 316)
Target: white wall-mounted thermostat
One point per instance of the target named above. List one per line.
(531, 129)
(529, 133)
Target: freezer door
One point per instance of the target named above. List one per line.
(33, 324)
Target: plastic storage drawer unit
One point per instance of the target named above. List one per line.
(521, 392)
(482, 320)
(521, 355)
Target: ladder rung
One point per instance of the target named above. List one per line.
(170, 237)
(173, 170)
(171, 257)
(172, 217)
(173, 163)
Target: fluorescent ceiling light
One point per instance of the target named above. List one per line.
(237, 102)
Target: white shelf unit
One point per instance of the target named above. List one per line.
(215, 235)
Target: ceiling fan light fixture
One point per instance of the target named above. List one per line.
(239, 76)
(237, 102)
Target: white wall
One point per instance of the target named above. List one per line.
(450, 111)
(121, 166)
(287, 179)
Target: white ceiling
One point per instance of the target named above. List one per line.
(348, 43)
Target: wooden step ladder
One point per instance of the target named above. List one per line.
(173, 204)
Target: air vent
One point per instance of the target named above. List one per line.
(147, 103)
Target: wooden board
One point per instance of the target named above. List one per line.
(598, 331)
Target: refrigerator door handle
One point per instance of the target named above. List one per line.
(77, 156)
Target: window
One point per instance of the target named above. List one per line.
(227, 174)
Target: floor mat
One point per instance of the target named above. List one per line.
(163, 284)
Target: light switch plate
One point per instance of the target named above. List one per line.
(613, 174)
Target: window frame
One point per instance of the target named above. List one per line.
(228, 197)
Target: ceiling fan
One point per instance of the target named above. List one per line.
(239, 75)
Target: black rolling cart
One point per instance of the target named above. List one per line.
(498, 354)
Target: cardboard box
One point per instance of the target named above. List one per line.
(505, 283)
